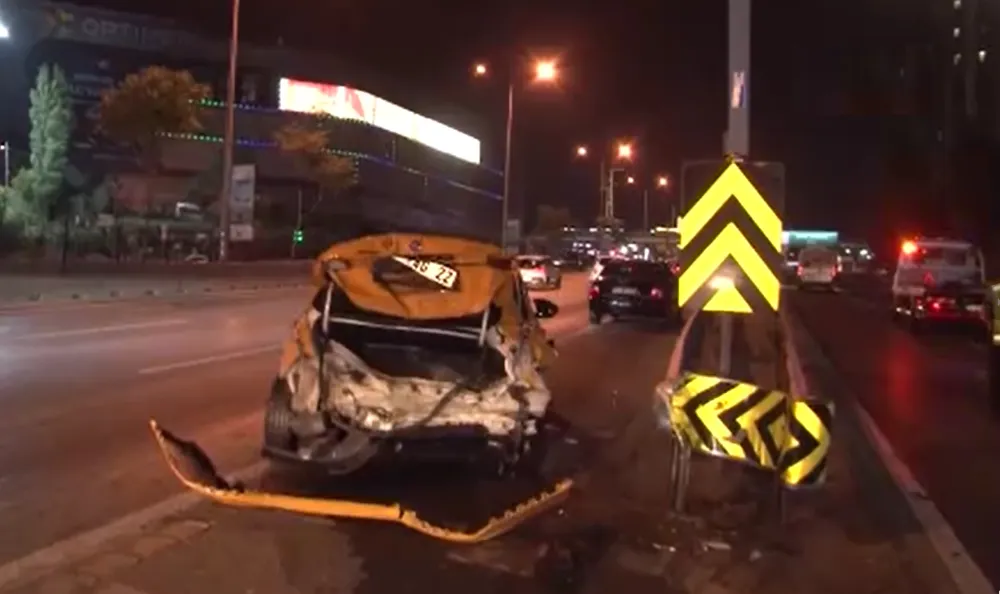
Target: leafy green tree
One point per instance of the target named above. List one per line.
(148, 104)
(33, 190)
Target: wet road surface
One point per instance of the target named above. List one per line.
(927, 394)
(78, 384)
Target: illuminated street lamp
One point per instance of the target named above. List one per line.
(581, 151)
(4, 31)
(624, 150)
(546, 71)
(630, 180)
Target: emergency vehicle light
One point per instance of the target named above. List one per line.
(909, 248)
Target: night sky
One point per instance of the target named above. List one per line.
(653, 72)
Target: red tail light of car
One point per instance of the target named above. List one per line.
(595, 291)
(656, 293)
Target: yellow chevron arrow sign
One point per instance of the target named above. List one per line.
(730, 234)
(740, 421)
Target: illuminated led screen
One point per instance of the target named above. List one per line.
(351, 104)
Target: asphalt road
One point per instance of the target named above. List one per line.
(927, 394)
(78, 384)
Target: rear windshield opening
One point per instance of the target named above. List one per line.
(818, 258)
(636, 268)
(944, 256)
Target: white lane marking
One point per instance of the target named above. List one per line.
(968, 577)
(102, 329)
(206, 360)
(75, 548)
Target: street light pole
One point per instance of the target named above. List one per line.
(505, 207)
(228, 140)
(645, 209)
(6, 163)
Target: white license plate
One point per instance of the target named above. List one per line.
(974, 307)
(436, 272)
(624, 291)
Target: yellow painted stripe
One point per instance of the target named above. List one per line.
(806, 417)
(709, 415)
(733, 183)
(730, 242)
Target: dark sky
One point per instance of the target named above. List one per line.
(653, 71)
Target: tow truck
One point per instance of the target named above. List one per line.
(939, 281)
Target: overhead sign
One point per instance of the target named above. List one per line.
(730, 241)
(742, 422)
(351, 104)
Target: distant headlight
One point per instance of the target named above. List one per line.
(720, 282)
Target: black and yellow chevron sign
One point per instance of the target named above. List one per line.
(730, 241)
(742, 422)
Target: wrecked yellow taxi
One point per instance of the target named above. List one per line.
(413, 347)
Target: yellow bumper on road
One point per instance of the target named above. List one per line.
(195, 471)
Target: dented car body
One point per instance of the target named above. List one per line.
(413, 346)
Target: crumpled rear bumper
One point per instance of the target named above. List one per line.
(194, 469)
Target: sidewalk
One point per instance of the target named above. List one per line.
(853, 535)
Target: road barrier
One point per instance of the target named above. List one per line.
(762, 419)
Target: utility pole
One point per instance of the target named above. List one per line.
(228, 140)
(737, 137)
(505, 207)
(645, 210)
(298, 221)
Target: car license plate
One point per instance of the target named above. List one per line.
(436, 272)
(974, 307)
(624, 291)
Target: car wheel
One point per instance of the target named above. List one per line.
(559, 283)
(595, 317)
(279, 419)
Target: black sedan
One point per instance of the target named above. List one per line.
(634, 288)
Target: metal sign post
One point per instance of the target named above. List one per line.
(737, 140)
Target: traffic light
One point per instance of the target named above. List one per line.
(297, 236)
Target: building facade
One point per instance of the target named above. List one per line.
(413, 171)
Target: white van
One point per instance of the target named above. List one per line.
(818, 267)
(940, 280)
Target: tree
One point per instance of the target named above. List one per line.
(29, 200)
(309, 146)
(148, 104)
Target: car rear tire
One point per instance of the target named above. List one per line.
(279, 418)
(558, 283)
(595, 317)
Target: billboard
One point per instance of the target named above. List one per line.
(351, 104)
(241, 201)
